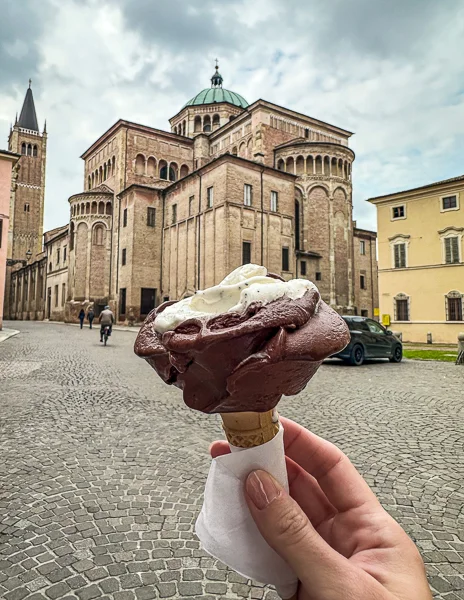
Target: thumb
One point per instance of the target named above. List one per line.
(287, 529)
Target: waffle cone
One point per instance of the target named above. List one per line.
(249, 429)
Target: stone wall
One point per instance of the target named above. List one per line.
(367, 299)
(203, 243)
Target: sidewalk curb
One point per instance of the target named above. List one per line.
(7, 333)
(135, 329)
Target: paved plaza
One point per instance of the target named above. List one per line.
(102, 467)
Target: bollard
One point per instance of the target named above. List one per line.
(429, 337)
(460, 358)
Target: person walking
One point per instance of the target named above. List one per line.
(82, 317)
(90, 316)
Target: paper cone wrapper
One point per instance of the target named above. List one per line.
(225, 526)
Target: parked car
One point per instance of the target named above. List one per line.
(370, 340)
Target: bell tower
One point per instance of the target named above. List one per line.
(27, 199)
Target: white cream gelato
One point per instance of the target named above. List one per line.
(235, 293)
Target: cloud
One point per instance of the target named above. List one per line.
(391, 72)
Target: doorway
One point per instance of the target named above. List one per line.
(147, 301)
(49, 302)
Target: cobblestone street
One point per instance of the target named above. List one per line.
(102, 467)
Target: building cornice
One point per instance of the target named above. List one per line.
(137, 127)
(205, 168)
(293, 113)
(13, 157)
(300, 142)
(419, 192)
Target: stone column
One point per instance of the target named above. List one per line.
(332, 251)
(87, 266)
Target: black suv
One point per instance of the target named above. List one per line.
(369, 340)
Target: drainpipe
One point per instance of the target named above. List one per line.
(372, 277)
(119, 220)
(199, 235)
(111, 247)
(162, 242)
(262, 218)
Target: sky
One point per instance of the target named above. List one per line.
(391, 72)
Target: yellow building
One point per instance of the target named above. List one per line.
(421, 260)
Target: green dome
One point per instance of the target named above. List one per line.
(214, 95)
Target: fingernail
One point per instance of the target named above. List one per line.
(261, 488)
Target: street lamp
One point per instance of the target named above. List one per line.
(11, 262)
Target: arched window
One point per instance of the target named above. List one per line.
(109, 208)
(184, 171)
(151, 167)
(93, 181)
(306, 133)
(326, 165)
(334, 167)
(300, 165)
(281, 164)
(100, 174)
(234, 151)
(173, 170)
(184, 127)
(113, 166)
(94, 208)
(163, 169)
(34, 150)
(216, 122)
(87, 208)
(249, 149)
(82, 208)
(290, 166)
(340, 167)
(206, 123)
(140, 164)
(108, 169)
(104, 172)
(101, 208)
(89, 183)
(297, 225)
(310, 165)
(23, 148)
(29, 149)
(197, 124)
(98, 235)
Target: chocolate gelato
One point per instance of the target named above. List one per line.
(241, 345)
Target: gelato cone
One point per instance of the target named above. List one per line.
(236, 349)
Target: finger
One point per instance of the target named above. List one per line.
(219, 448)
(289, 532)
(305, 490)
(335, 474)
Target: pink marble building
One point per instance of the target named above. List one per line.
(8, 161)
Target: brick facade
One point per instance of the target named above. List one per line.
(166, 213)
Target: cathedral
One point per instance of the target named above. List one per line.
(165, 213)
